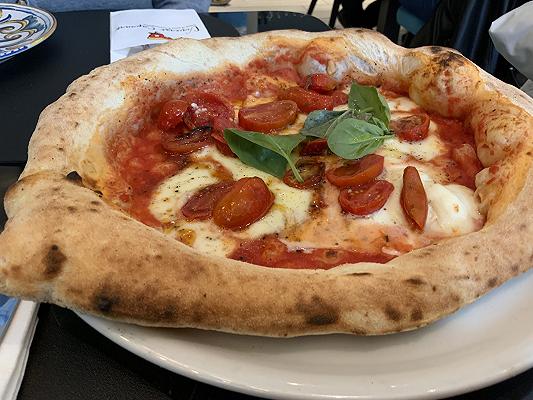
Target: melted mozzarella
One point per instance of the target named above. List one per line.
(170, 196)
(290, 205)
(452, 208)
(423, 150)
(402, 104)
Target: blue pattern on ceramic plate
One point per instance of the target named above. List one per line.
(8, 305)
(22, 27)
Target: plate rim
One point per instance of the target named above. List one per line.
(41, 39)
(110, 330)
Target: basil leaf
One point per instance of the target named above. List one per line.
(268, 153)
(318, 117)
(354, 138)
(363, 98)
(322, 122)
(380, 124)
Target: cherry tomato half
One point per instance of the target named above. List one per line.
(219, 124)
(339, 98)
(204, 107)
(365, 199)
(321, 83)
(311, 171)
(466, 157)
(413, 198)
(201, 204)
(268, 117)
(411, 128)
(187, 143)
(315, 147)
(171, 114)
(248, 201)
(356, 172)
(307, 100)
(269, 251)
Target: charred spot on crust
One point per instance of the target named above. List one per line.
(169, 313)
(104, 302)
(74, 177)
(450, 59)
(436, 49)
(318, 312)
(360, 332)
(492, 282)
(515, 268)
(71, 209)
(392, 313)
(322, 319)
(96, 202)
(424, 252)
(415, 281)
(455, 298)
(416, 314)
(360, 274)
(53, 261)
(522, 227)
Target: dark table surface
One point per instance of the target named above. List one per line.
(68, 359)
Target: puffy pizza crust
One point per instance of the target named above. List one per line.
(64, 244)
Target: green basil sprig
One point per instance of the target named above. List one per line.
(357, 131)
(354, 138)
(368, 98)
(268, 153)
(318, 122)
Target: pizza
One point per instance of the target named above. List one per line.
(279, 184)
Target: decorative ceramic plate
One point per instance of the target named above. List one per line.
(23, 27)
(484, 343)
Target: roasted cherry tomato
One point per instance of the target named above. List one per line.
(466, 157)
(321, 83)
(187, 143)
(413, 198)
(201, 204)
(219, 124)
(171, 114)
(268, 117)
(311, 171)
(204, 107)
(248, 201)
(339, 98)
(411, 128)
(356, 172)
(365, 199)
(269, 251)
(307, 100)
(315, 147)
(221, 144)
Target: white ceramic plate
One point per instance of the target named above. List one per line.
(23, 27)
(485, 343)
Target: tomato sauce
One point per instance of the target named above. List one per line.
(272, 252)
(459, 166)
(143, 164)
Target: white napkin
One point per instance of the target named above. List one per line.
(15, 347)
(512, 35)
(136, 30)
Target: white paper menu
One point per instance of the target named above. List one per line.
(136, 30)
